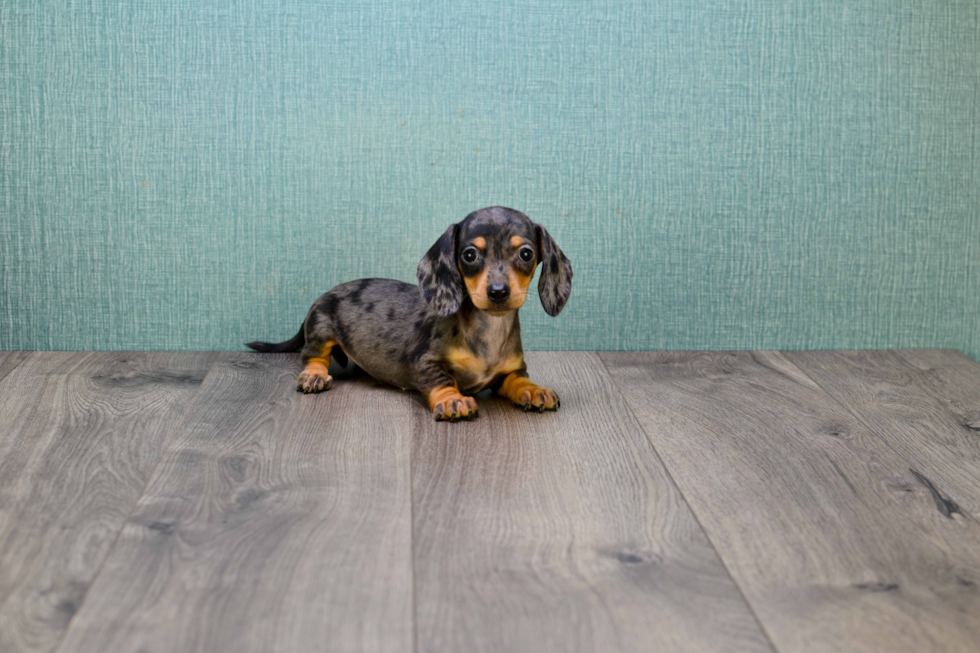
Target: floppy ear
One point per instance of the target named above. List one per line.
(555, 283)
(439, 278)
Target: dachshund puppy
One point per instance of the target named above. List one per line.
(458, 336)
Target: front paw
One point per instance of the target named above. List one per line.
(455, 408)
(534, 397)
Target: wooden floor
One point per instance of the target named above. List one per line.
(752, 501)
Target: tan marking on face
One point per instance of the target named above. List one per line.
(477, 288)
(518, 287)
(479, 242)
(516, 241)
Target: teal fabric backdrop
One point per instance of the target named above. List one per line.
(731, 174)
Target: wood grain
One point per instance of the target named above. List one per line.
(834, 541)
(80, 434)
(276, 521)
(925, 404)
(11, 359)
(562, 532)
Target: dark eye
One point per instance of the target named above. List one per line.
(468, 255)
(526, 254)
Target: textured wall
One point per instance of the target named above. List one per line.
(733, 174)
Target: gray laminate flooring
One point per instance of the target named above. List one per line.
(695, 501)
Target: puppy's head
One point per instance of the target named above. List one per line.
(491, 256)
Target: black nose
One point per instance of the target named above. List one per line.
(498, 292)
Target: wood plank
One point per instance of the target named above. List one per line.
(11, 359)
(925, 404)
(276, 521)
(834, 541)
(562, 532)
(80, 434)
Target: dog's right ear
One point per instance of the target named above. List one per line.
(439, 278)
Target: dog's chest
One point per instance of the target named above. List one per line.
(476, 361)
(474, 373)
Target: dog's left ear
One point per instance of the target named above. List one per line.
(555, 284)
(439, 278)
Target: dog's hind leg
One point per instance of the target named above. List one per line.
(320, 340)
(315, 376)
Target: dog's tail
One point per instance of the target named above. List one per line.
(293, 344)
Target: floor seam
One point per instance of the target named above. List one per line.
(132, 509)
(20, 361)
(411, 539)
(871, 429)
(694, 514)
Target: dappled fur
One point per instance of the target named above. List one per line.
(437, 338)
